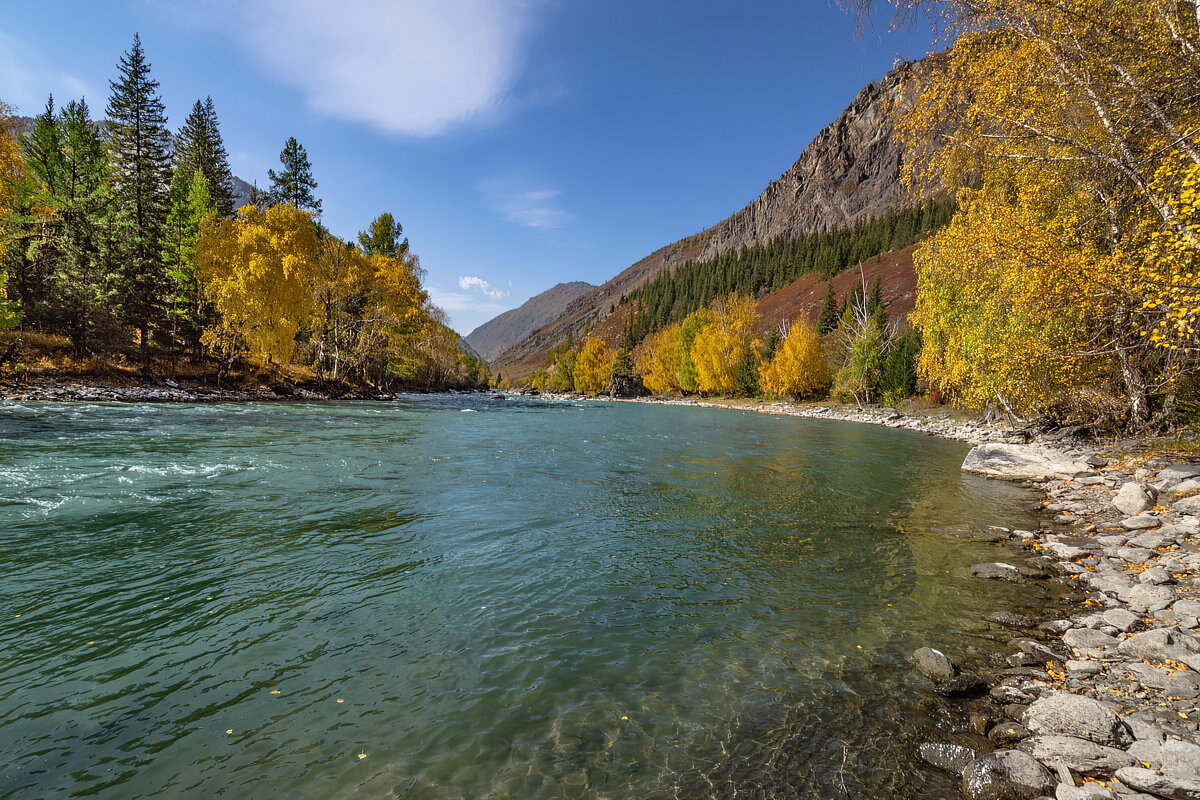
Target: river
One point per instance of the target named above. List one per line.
(461, 597)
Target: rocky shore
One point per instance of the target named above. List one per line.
(169, 391)
(1103, 701)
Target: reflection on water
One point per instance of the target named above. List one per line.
(537, 600)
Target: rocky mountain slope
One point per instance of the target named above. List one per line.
(497, 335)
(850, 171)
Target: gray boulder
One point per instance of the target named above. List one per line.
(1134, 498)
(1174, 786)
(1010, 620)
(1121, 619)
(1188, 505)
(1141, 522)
(1147, 597)
(1178, 472)
(1089, 791)
(1183, 684)
(1080, 755)
(1160, 644)
(1063, 714)
(1180, 757)
(933, 664)
(1021, 462)
(1189, 487)
(1006, 775)
(1088, 639)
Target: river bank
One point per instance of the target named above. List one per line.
(1104, 701)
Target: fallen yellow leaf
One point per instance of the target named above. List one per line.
(275, 691)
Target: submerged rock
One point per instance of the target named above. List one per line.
(997, 571)
(962, 686)
(933, 664)
(950, 757)
(1006, 775)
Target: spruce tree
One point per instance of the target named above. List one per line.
(67, 166)
(295, 184)
(187, 312)
(383, 237)
(199, 146)
(828, 318)
(140, 175)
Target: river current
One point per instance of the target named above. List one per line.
(461, 597)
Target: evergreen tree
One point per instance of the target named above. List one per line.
(830, 313)
(187, 312)
(295, 184)
(199, 146)
(383, 237)
(67, 285)
(140, 172)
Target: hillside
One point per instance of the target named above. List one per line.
(497, 335)
(849, 172)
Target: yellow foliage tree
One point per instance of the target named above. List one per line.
(260, 271)
(726, 344)
(659, 359)
(799, 366)
(594, 367)
(11, 166)
(1068, 129)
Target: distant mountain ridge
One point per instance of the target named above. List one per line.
(850, 171)
(497, 335)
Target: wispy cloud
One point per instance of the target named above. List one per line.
(470, 282)
(451, 301)
(415, 67)
(523, 203)
(26, 79)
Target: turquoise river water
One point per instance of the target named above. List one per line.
(461, 597)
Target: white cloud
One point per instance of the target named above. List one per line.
(519, 202)
(469, 282)
(416, 67)
(27, 79)
(457, 301)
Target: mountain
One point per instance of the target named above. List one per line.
(849, 172)
(497, 335)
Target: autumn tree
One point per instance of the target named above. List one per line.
(11, 167)
(727, 346)
(658, 360)
(1068, 130)
(258, 270)
(140, 172)
(593, 370)
(199, 147)
(799, 367)
(294, 183)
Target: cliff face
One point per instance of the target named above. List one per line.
(497, 335)
(850, 171)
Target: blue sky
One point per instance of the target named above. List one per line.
(521, 142)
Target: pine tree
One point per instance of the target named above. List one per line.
(140, 172)
(383, 237)
(295, 184)
(199, 146)
(828, 318)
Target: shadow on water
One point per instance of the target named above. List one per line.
(485, 599)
